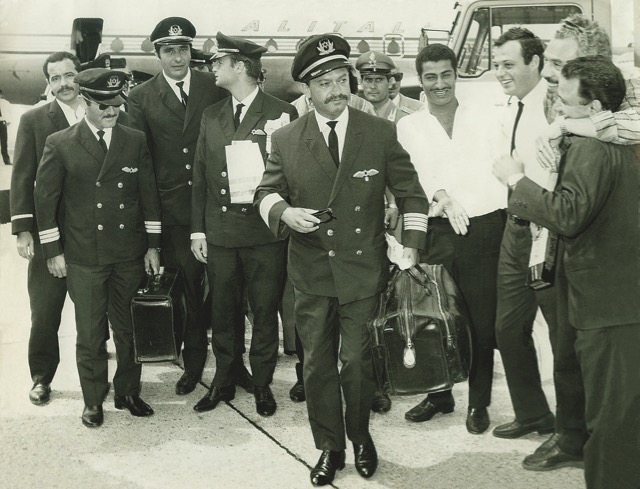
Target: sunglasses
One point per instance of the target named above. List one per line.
(397, 76)
(101, 106)
(325, 216)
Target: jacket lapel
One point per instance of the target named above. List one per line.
(318, 147)
(118, 141)
(89, 142)
(251, 118)
(57, 117)
(196, 92)
(225, 119)
(168, 97)
(352, 143)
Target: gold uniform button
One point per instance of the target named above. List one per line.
(99, 205)
(244, 209)
(358, 230)
(224, 208)
(332, 253)
(190, 182)
(188, 167)
(357, 208)
(185, 150)
(100, 227)
(224, 174)
(98, 184)
(120, 185)
(330, 232)
(359, 252)
(121, 226)
(223, 191)
(121, 206)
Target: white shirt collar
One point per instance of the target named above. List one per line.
(247, 101)
(172, 83)
(72, 116)
(341, 127)
(94, 130)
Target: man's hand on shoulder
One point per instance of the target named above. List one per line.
(300, 219)
(57, 266)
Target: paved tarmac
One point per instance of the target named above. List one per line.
(232, 446)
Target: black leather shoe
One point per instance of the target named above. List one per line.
(135, 405)
(214, 396)
(92, 416)
(477, 420)
(325, 470)
(265, 403)
(544, 425)
(39, 393)
(381, 403)
(243, 378)
(187, 383)
(366, 458)
(548, 443)
(427, 410)
(297, 392)
(554, 458)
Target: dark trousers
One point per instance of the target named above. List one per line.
(261, 270)
(176, 253)
(472, 261)
(46, 298)
(102, 294)
(610, 367)
(516, 311)
(4, 142)
(567, 378)
(321, 323)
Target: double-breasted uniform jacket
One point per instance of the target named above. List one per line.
(35, 126)
(172, 131)
(226, 224)
(345, 258)
(112, 211)
(594, 209)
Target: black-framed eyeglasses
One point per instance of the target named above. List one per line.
(105, 106)
(397, 76)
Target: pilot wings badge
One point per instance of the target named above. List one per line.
(366, 174)
(126, 169)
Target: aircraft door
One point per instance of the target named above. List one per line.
(86, 37)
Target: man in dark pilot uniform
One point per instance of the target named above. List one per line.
(103, 172)
(340, 159)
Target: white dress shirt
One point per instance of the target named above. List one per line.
(341, 128)
(176, 89)
(461, 165)
(72, 116)
(247, 101)
(107, 133)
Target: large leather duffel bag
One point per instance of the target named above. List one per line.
(420, 332)
(158, 312)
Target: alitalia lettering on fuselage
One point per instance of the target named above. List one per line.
(335, 26)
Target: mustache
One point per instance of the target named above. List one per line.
(64, 87)
(333, 98)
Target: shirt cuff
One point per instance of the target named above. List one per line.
(198, 236)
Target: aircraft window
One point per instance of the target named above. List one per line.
(488, 24)
(393, 44)
(86, 37)
(363, 46)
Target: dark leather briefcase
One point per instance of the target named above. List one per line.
(420, 332)
(158, 312)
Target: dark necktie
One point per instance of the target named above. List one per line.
(102, 142)
(183, 94)
(515, 126)
(333, 142)
(236, 117)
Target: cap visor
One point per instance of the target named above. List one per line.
(327, 67)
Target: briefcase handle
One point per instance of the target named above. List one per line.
(150, 282)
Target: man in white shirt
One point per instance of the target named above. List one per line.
(467, 239)
(46, 292)
(518, 62)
